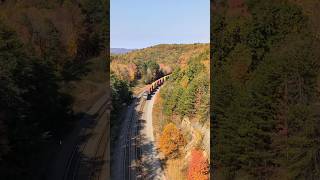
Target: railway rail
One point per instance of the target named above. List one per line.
(74, 160)
(132, 152)
(129, 160)
(131, 144)
(100, 152)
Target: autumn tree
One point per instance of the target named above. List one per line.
(187, 87)
(149, 71)
(171, 141)
(120, 93)
(198, 166)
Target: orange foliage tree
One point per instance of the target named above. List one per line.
(127, 72)
(198, 166)
(171, 140)
(165, 69)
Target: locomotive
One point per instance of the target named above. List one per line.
(153, 86)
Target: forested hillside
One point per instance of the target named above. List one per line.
(134, 65)
(169, 54)
(265, 86)
(143, 66)
(189, 87)
(183, 104)
(47, 51)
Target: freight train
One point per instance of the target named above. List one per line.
(153, 86)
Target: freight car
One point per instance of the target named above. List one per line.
(153, 86)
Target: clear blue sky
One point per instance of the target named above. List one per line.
(143, 23)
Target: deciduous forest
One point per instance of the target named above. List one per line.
(265, 88)
(47, 51)
(184, 101)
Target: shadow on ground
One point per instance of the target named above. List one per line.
(150, 165)
(145, 165)
(88, 157)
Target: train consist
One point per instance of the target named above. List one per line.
(153, 86)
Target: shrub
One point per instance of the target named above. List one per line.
(198, 167)
(171, 140)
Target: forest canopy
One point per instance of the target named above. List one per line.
(265, 91)
(44, 47)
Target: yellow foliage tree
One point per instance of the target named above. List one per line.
(171, 140)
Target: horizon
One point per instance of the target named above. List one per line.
(144, 24)
(158, 45)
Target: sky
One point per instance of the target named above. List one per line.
(138, 24)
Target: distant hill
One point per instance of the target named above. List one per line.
(120, 50)
(169, 54)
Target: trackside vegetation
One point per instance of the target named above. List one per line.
(185, 106)
(121, 96)
(188, 90)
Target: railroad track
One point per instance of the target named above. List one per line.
(74, 159)
(131, 150)
(127, 149)
(100, 151)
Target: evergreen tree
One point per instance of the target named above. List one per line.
(30, 104)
